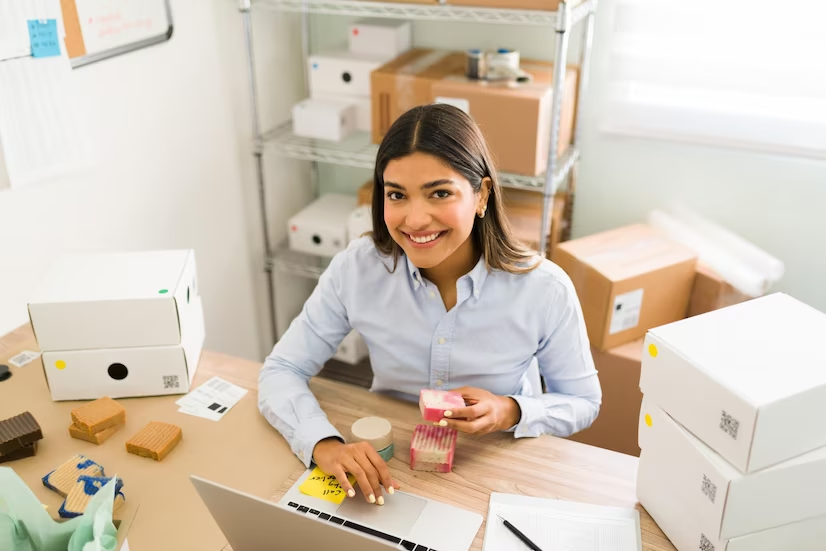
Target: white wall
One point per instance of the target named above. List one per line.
(173, 142)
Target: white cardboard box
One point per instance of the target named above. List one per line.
(686, 531)
(352, 349)
(331, 120)
(321, 228)
(359, 222)
(115, 300)
(343, 73)
(725, 502)
(364, 111)
(748, 380)
(126, 372)
(391, 37)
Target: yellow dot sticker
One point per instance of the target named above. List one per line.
(60, 364)
(652, 349)
(648, 420)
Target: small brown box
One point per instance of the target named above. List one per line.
(98, 415)
(365, 194)
(523, 209)
(711, 292)
(545, 5)
(628, 280)
(619, 376)
(155, 440)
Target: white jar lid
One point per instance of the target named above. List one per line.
(375, 430)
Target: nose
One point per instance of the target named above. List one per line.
(417, 217)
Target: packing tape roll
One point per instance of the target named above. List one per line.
(375, 430)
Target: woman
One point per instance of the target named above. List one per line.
(444, 298)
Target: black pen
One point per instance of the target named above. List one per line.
(520, 535)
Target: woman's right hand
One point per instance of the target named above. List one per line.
(360, 460)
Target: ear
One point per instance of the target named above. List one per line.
(484, 194)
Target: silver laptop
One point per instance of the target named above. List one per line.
(299, 522)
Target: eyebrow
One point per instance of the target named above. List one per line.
(429, 185)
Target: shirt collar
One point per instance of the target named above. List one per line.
(478, 275)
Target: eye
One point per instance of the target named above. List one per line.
(441, 194)
(394, 196)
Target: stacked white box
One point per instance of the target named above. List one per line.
(329, 119)
(321, 228)
(390, 37)
(119, 324)
(732, 450)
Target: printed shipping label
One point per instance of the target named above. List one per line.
(626, 312)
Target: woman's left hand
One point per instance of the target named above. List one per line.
(485, 412)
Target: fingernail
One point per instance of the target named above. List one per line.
(372, 498)
(351, 492)
(442, 423)
(391, 490)
(380, 500)
(448, 413)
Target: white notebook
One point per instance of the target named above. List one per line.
(555, 525)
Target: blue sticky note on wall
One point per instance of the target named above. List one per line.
(43, 37)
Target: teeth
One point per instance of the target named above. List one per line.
(424, 239)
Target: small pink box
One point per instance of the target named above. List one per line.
(434, 403)
(431, 449)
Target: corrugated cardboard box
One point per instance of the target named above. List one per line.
(727, 502)
(551, 5)
(685, 530)
(747, 380)
(524, 212)
(628, 280)
(711, 292)
(616, 427)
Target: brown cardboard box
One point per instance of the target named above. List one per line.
(516, 118)
(711, 292)
(365, 194)
(524, 212)
(406, 82)
(408, 1)
(619, 375)
(551, 5)
(628, 280)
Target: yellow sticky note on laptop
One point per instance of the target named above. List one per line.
(324, 486)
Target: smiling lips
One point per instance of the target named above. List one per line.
(424, 239)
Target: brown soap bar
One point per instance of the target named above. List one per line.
(18, 431)
(28, 450)
(155, 440)
(97, 438)
(98, 415)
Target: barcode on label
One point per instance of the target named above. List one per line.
(218, 385)
(705, 545)
(23, 358)
(626, 311)
(729, 425)
(171, 381)
(709, 488)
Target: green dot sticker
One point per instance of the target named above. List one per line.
(163, 291)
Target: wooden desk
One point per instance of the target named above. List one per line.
(244, 452)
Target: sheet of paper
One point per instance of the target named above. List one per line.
(43, 37)
(324, 486)
(212, 400)
(557, 524)
(14, 17)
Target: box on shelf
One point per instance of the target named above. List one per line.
(711, 292)
(331, 120)
(523, 209)
(365, 193)
(628, 280)
(389, 36)
(343, 72)
(352, 349)
(616, 427)
(747, 380)
(115, 300)
(321, 228)
(727, 502)
(515, 117)
(407, 1)
(548, 5)
(127, 372)
(362, 104)
(360, 222)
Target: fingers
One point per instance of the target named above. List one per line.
(343, 481)
(354, 467)
(383, 471)
(468, 413)
(478, 426)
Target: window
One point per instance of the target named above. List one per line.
(738, 73)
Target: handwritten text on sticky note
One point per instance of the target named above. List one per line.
(324, 486)
(43, 37)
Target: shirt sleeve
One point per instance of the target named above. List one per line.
(574, 395)
(284, 396)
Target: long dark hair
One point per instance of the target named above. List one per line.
(450, 135)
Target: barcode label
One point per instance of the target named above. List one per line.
(729, 425)
(25, 357)
(709, 488)
(626, 312)
(171, 381)
(705, 545)
(218, 384)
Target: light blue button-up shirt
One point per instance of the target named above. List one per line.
(501, 323)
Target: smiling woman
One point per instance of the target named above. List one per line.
(445, 299)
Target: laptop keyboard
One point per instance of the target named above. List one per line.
(404, 544)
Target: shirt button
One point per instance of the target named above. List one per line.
(439, 382)
(432, 294)
(441, 340)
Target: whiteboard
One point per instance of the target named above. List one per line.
(99, 29)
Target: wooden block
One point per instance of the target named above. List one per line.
(98, 415)
(97, 438)
(155, 440)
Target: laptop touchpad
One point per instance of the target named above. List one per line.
(396, 517)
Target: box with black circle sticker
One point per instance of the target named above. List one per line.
(343, 72)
